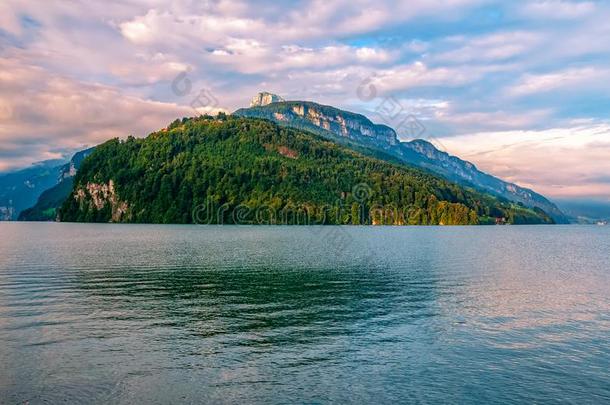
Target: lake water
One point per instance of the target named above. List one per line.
(196, 314)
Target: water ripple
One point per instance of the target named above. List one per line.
(166, 314)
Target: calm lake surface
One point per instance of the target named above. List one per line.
(204, 314)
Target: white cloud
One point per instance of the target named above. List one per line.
(185, 25)
(420, 74)
(251, 57)
(493, 47)
(469, 121)
(558, 9)
(565, 79)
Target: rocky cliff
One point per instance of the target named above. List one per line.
(98, 196)
(264, 98)
(325, 120)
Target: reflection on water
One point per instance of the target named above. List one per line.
(166, 314)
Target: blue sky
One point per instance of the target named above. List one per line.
(519, 88)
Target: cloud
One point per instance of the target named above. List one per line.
(476, 121)
(564, 79)
(250, 42)
(419, 74)
(184, 23)
(9, 21)
(558, 162)
(493, 47)
(252, 57)
(170, 28)
(558, 9)
(44, 115)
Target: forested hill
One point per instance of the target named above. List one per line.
(242, 170)
(357, 130)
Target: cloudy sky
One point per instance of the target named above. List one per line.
(520, 88)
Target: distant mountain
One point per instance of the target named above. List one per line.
(20, 189)
(355, 130)
(586, 211)
(51, 199)
(232, 169)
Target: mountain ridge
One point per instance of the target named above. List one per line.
(21, 188)
(45, 208)
(343, 125)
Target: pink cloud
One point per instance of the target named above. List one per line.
(42, 112)
(559, 162)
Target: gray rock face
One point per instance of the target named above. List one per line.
(264, 98)
(324, 120)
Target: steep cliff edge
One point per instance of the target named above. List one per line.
(262, 99)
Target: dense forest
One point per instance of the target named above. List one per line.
(229, 169)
